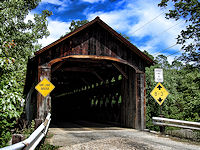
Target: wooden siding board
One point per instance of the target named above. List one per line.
(95, 41)
(94, 23)
(98, 47)
(43, 103)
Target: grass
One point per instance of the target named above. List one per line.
(45, 145)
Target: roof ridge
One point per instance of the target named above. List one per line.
(105, 26)
(67, 36)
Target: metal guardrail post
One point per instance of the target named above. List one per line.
(162, 128)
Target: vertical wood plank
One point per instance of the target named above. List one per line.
(61, 49)
(43, 103)
(141, 102)
(98, 47)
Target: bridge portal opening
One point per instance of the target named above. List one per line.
(88, 89)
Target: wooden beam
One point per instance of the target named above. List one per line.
(57, 66)
(98, 76)
(78, 69)
(94, 57)
(120, 70)
(43, 103)
(85, 81)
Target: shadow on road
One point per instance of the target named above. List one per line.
(81, 124)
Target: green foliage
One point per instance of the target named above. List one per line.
(183, 84)
(125, 36)
(46, 146)
(76, 24)
(189, 86)
(149, 55)
(5, 135)
(18, 41)
(10, 101)
(190, 37)
(28, 131)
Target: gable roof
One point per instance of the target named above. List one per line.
(106, 27)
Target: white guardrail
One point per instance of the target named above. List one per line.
(34, 139)
(176, 123)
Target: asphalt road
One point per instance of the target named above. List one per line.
(91, 136)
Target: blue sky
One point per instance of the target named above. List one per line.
(142, 20)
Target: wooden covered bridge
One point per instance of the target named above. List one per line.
(98, 75)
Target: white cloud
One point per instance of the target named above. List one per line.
(30, 16)
(63, 4)
(133, 19)
(172, 57)
(93, 1)
(57, 29)
(138, 15)
(55, 2)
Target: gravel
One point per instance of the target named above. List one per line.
(113, 138)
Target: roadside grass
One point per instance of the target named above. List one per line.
(44, 145)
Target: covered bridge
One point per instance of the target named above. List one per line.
(98, 75)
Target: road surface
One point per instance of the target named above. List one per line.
(91, 136)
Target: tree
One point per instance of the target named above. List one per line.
(189, 38)
(169, 107)
(18, 41)
(125, 36)
(189, 90)
(76, 24)
(183, 84)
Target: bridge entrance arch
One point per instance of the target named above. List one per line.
(98, 75)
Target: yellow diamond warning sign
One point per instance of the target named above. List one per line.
(44, 87)
(159, 93)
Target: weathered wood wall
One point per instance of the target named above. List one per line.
(95, 41)
(92, 41)
(43, 103)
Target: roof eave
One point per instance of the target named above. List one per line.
(108, 28)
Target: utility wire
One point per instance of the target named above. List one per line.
(160, 33)
(148, 22)
(165, 31)
(169, 28)
(176, 51)
(166, 49)
(173, 53)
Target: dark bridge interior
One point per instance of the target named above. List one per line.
(87, 89)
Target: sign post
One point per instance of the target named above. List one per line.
(159, 93)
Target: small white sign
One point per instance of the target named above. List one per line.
(158, 74)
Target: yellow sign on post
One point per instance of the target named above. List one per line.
(159, 93)
(44, 87)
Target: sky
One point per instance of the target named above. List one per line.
(141, 20)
